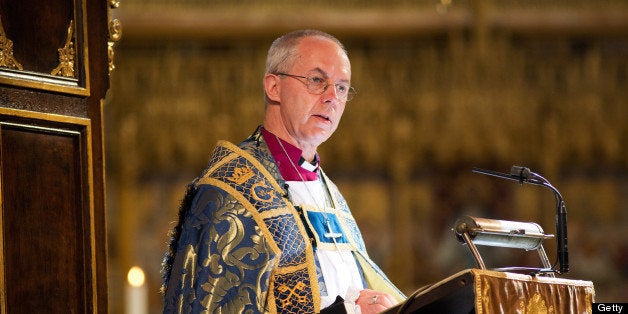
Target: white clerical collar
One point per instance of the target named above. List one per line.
(313, 166)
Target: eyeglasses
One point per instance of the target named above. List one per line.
(317, 85)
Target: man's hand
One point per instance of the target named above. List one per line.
(371, 301)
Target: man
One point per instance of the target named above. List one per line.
(263, 229)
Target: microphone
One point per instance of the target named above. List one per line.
(517, 173)
(524, 175)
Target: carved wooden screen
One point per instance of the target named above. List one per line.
(54, 65)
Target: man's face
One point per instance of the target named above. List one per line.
(311, 119)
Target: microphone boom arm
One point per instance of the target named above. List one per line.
(524, 175)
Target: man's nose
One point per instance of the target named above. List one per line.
(330, 93)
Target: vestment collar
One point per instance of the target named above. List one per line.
(308, 171)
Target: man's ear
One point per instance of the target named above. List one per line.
(272, 87)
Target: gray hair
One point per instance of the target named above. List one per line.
(283, 50)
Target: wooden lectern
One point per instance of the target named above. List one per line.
(487, 291)
(536, 290)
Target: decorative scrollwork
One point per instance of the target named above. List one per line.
(115, 33)
(67, 56)
(6, 51)
(114, 4)
(115, 30)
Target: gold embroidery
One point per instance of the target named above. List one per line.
(486, 297)
(189, 264)
(237, 260)
(536, 305)
(238, 152)
(261, 192)
(293, 292)
(241, 175)
(530, 295)
(588, 299)
(311, 293)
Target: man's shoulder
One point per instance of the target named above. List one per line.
(237, 164)
(242, 174)
(252, 147)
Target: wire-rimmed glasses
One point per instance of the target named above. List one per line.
(317, 84)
